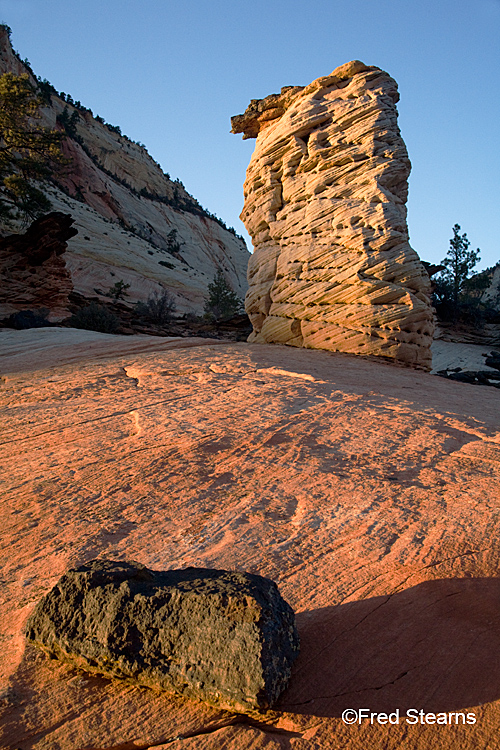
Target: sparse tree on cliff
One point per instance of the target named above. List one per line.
(222, 303)
(118, 291)
(451, 285)
(29, 153)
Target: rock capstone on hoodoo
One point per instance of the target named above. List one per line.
(225, 637)
(325, 205)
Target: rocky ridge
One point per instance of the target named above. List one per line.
(325, 205)
(134, 223)
(491, 294)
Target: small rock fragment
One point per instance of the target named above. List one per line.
(221, 636)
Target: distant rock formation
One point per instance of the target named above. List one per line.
(491, 294)
(491, 376)
(134, 223)
(325, 205)
(33, 274)
(221, 636)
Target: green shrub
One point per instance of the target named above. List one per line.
(24, 319)
(222, 303)
(159, 308)
(95, 317)
(118, 290)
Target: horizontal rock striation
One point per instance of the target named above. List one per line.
(225, 637)
(325, 205)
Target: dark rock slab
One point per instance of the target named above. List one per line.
(493, 360)
(225, 637)
(474, 377)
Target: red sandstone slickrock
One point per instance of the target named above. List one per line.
(325, 205)
(368, 492)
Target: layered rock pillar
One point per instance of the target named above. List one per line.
(325, 205)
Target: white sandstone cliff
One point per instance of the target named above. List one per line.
(134, 223)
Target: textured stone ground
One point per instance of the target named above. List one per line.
(369, 493)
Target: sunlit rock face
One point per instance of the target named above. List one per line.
(325, 205)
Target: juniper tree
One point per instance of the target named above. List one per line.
(118, 291)
(451, 284)
(29, 152)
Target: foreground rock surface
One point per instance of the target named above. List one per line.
(368, 492)
(325, 205)
(225, 637)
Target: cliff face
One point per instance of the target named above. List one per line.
(491, 294)
(133, 222)
(325, 197)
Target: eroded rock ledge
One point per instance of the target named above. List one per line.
(325, 205)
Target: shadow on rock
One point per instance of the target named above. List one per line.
(50, 704)
(435, 646)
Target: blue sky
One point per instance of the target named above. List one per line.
(171, 74)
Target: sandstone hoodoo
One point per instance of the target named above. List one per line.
(225, 637)
(325, 205)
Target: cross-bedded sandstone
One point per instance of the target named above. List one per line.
(325, 204)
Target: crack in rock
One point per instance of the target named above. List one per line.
(237, 720)
(353, 692)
